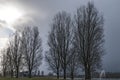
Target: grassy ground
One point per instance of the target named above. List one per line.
(45, 78)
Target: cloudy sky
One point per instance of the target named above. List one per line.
(40, 13)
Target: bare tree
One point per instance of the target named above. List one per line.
(53, 56)
(10, 61)
(64, 33)
(15, 52)
(60, 41)
(4, 62)
(7, 62)
(32, 47)
(73, 65)
(89, 38)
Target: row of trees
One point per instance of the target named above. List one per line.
(24, 51)
(76, 43)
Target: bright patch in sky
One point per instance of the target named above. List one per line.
(9, 15)
(3, 42)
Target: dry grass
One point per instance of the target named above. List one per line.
(37, 78)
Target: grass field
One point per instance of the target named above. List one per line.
(45, 78)
(48, 78)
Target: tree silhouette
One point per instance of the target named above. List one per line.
(89, 38)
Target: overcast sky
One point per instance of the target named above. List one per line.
(41, 12)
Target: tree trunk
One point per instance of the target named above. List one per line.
(87, 74)
(65, 73)
(4, 73)
(17, 72)
(57, 74)
(11, 73)
(72, 76)
(30, 74)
